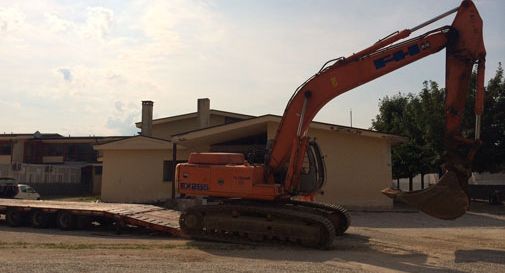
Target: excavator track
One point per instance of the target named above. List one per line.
(337, 214)
(303, 223)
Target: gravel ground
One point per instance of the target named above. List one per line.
(377, 242)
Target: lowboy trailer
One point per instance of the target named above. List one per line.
(80, 215)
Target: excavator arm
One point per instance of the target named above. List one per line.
(464, 47)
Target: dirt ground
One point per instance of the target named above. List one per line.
(376, 242)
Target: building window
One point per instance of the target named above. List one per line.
(5, 149)
(98, 170)
(167, 169)
(54, 150)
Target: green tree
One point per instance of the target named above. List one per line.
(397, 114)
(491, 155)
(431, 123)
(421, 119)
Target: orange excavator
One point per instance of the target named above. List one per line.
(258, 202)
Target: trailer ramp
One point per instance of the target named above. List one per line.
(147, 216)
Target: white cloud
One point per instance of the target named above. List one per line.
(86, 69)
(99, 22)
(58, 24)
(11, 20)
(124, 118)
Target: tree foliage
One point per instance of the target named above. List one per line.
(491, 156)
(420, 118)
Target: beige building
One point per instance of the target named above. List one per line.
(51, 163)
(137, 169)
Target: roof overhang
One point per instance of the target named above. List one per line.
(195, 115)
(81, 140)
(136, 143)
(223, 133)
(253, 126)
(15, 137)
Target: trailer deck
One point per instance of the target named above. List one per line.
(147, 216)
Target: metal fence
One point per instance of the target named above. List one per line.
(48, 179)
(36, 173)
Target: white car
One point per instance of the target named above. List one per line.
(26, 192)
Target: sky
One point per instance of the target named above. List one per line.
(82, 68)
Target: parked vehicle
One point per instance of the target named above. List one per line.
(487, 186)
(27, 192)
(9, 188)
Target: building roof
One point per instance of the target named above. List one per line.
(136, 143)
(80, 139)
(57, 138)
(194, 115)
(252, 126)
(36, 135)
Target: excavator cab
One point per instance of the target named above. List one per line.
(313, 173)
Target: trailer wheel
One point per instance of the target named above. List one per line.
(14, 218)
(65, 220)
(83, 222)
(40, 219)
(494, 198)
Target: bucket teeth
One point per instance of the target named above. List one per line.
(444, 200)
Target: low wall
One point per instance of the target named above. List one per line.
(48, 180)
(51, 189)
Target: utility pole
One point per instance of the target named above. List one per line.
(174, 163)
(350, 115)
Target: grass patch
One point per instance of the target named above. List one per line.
(86, 198)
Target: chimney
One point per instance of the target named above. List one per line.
(147, 118)
(204, 112)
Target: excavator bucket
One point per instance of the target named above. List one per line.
(448, 199)
(445, 200)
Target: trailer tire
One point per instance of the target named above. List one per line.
(83, 222)
(14, 218)
(40, 219)
(65, 220)
(494, 198)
